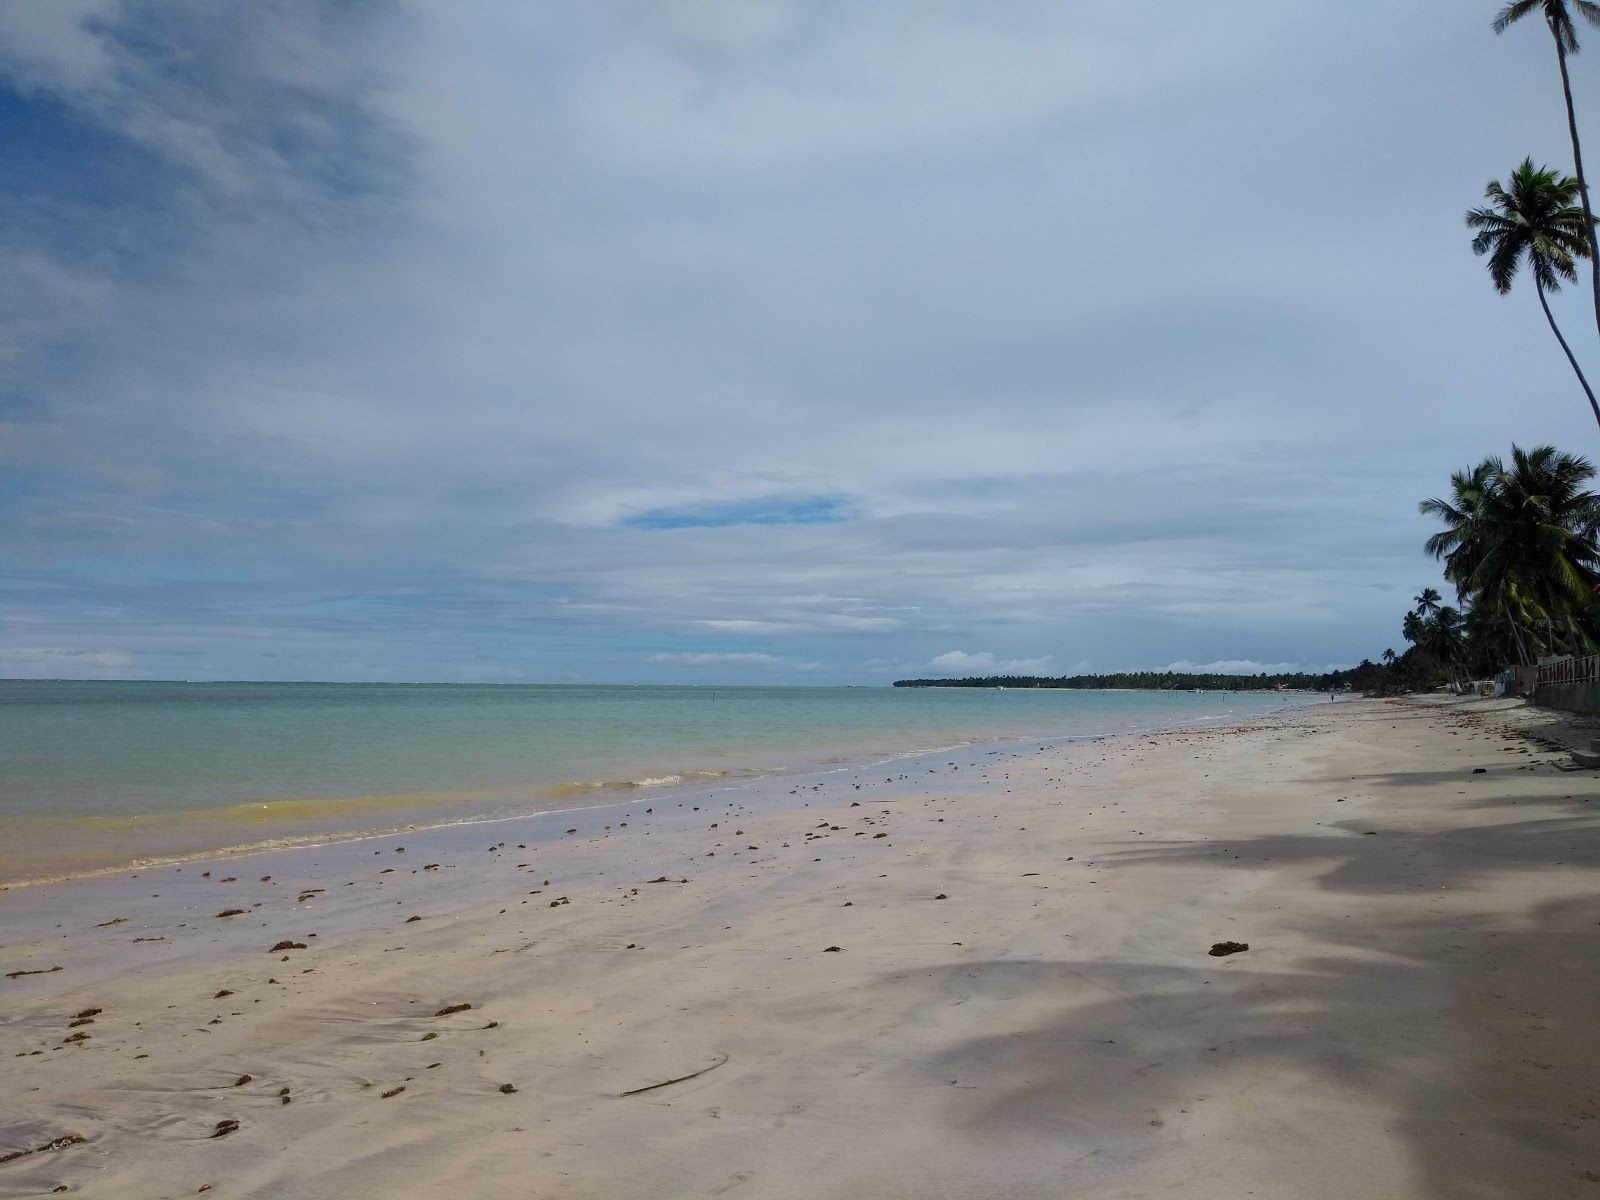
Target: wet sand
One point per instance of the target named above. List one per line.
(978, 976)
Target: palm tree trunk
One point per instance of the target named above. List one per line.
(1583, 184)
(1516, 633)
(1576, 369)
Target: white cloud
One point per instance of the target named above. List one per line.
(959, 662)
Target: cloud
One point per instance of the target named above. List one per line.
(59, 662)
(717, 660)
(371, 340)
(959, 662)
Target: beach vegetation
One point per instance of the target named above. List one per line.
(1521, 545)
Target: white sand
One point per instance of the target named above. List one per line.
(1416, 1015)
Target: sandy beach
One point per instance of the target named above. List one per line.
(980, 975)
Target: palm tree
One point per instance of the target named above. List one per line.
(1427, 602)
(1444, 641)
(1412, 628)
(1521, 541)
(1389, 656)
(1544, 557)
(1460, 543)
(1558, 16)
(1534, 222)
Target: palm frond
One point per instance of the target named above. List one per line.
(1512, 13)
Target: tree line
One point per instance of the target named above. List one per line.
(1170, 681)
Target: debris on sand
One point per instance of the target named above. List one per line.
(60, 1143)
(721, 1059)
(1223, 949)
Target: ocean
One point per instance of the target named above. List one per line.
(100, 775)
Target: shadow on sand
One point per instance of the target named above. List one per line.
(1480, 1032)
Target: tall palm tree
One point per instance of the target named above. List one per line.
(1534, 223)
(1427, 602)
(1558, 17)
(1389, 656)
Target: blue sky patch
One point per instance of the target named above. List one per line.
(765, 510)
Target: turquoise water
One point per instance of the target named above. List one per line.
(97, 774)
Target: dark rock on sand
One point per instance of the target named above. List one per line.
(1223, 949)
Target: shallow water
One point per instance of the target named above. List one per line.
(95, 775)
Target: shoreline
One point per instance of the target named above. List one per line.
(617, 794)
(987, 976)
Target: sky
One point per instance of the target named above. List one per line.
(750, 341)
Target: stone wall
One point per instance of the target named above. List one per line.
(1569, 697)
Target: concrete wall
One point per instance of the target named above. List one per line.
(1569, 697)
